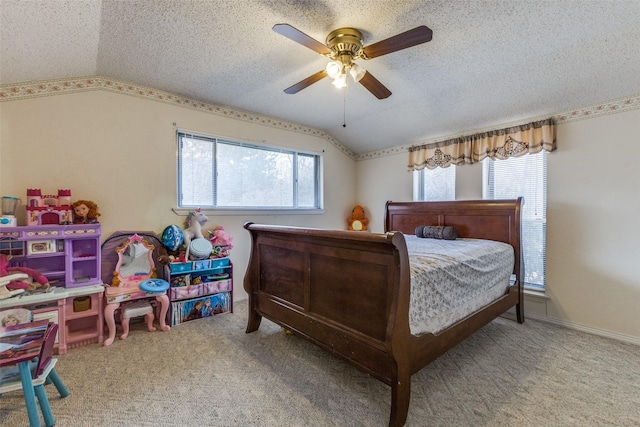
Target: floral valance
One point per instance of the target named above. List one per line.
(496, 144)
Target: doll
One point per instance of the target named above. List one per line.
(85, 212)
(10, 320)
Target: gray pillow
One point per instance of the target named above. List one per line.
(442, 232)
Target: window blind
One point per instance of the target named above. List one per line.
(524, 176)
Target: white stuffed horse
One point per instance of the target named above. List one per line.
(194, 223)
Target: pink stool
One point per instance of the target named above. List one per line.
(137, 309)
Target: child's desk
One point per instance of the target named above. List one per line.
(20, 344)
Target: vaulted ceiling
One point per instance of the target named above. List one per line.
(490, 63)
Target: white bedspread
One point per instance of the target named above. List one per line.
(453, 278)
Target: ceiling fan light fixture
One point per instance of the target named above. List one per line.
(340, 81)
(343, 47)
(334, 69)
(357, 72)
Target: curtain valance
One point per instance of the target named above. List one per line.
(496, 144)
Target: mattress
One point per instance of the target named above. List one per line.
(453, 278)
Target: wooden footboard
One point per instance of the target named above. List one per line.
(349, 292)
(336, 288)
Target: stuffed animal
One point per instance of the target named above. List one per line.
(193, 226)
(357, 221)
(166, 256)
(221, 241)
(34, 281)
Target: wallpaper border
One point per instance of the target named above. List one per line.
(36, 89)
(614, 106)
(12, 92)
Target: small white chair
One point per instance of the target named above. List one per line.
(137, 309)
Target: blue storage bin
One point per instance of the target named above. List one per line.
(201, 265)
(220, 262)
(180, 267)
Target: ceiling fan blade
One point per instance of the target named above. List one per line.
(401, 41)
(299, 37)
(374, 86)
(306, 82)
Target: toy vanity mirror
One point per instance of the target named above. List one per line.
(135, 262)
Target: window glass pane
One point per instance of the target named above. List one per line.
(253, 177)
(524, 176)
(307, 172)
(433, 185)
(195, 172)
(228, 174)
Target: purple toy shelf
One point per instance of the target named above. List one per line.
(68, 255)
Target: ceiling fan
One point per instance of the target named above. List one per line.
(343, 47)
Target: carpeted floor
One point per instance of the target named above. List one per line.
(210, 373)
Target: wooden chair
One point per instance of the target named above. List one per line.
(44, 373)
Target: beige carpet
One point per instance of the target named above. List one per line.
(210, 373)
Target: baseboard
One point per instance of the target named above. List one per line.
(595, 331)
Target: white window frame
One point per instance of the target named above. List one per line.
(426, 180)
(534, 212)
(183, 208)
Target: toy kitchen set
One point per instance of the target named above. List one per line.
(52, 267)
(9, 206)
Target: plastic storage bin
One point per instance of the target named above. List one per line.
(198, 308)
(180, 267)
(185, 292)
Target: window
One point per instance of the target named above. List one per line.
(524, 176)
(434, 184)
(221, 174)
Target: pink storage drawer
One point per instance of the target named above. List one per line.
(216, 286)
(184, 292)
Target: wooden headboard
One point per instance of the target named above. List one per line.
(480, 219)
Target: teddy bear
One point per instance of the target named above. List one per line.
(35, 279)
(166, 256)
(357, 221)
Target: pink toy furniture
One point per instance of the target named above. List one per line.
(48, 209)
(136, 309)
(135, 265)
(69, 256)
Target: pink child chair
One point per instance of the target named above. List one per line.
(136, 309)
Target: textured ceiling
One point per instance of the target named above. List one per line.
(490, 63)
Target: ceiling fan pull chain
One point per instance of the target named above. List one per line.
(344, 107)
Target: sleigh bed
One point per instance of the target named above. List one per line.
(350, 292)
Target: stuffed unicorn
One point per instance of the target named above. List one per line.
(193, 225)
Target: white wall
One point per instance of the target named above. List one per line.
(593, 243)
(380, 180)
(120, 152)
